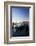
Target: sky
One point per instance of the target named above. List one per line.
(20, 14)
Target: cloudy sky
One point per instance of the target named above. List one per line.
(20, 14)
